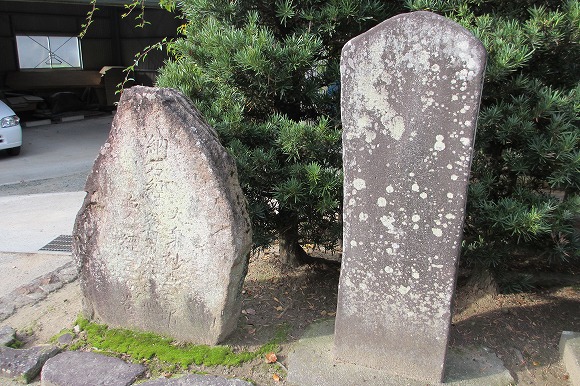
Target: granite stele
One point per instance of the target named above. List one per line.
(411, 89)
(163, 237)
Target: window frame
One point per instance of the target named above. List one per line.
(51, 53)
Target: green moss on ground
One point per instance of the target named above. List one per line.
(145, 346)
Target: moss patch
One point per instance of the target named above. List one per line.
(144, 346)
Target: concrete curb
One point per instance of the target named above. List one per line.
(37, 290)
(310, 362)
(570, 353)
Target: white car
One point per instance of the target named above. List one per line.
(10, 130)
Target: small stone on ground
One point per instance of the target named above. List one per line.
(24, 364)
(88, 369)
(7, 335)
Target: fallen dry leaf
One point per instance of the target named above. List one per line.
(271, 358)
(276, 378)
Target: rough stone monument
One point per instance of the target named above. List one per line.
(163, 237)
(411, 89)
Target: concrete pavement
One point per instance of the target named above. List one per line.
(55, 150)
(28, 222)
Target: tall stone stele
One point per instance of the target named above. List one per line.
(163, 237)
(411, 89)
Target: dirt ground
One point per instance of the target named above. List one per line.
(523, 329)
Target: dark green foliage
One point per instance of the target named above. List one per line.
(265, 74)
(525, 179)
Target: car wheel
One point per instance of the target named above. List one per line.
(14, 150)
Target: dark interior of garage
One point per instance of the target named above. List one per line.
(48, 72)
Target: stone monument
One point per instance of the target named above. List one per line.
(163, 237)
(411, 89)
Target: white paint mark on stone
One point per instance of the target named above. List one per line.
(437, 232)
(359, 183)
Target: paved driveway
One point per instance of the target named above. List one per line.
(55, 150)
(40, 194)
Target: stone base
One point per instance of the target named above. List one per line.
(311, 362)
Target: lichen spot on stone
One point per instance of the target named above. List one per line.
(359, 184)
(437, 232)
(390, 189)
(439, 145)
(363, 216)
(465, 141)
(415, 187)
(397, 127)
(416, 218)
(403, 290)
(449, 195)
(382, 202)
(370, 136)
(353, 243)
(389, 270)
(388, 222)
(423, 195)
(454, 177)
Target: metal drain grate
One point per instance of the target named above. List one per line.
(62, 243)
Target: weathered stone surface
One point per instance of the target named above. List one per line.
(24, 365)
(88, 369)
(197, 380)
(65, 339)
(163, 237)
(570, 352)
(410, 96)
(7, 335)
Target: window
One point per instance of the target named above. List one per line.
(36, 52)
